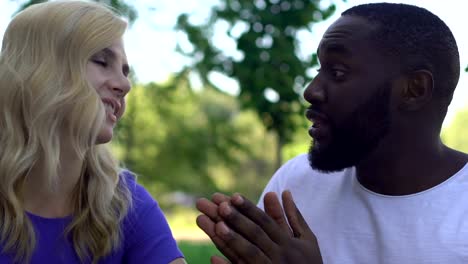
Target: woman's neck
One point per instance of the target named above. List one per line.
(53, 201)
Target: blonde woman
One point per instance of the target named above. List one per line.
(63, 198)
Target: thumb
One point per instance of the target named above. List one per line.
(298, 225)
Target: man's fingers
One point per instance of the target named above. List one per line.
(240, 246)
(274, 209)
(298, 225)
(218, 260)
(208, 226)
(221, 260)
(218, 198)
(259, 217)
(208, 208)
(247, 228)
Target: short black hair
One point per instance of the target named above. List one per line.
(418, 39)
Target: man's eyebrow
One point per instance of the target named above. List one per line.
(336, 48)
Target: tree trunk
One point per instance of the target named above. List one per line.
(279, 151)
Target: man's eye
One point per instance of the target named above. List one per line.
(338, 74)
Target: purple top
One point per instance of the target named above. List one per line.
(147, 237)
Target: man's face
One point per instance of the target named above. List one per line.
(350, 97)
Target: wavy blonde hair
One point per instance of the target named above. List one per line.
(44, 93)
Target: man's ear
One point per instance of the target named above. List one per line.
(417, 90)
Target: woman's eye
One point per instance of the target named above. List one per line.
(100, 62)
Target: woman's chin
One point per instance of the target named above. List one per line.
(105, 136)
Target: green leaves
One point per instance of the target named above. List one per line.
(271, 63)
(122, 8)
(454, 135)
(197, 142)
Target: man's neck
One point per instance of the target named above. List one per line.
(409, 167)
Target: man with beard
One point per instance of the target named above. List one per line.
(378, 185)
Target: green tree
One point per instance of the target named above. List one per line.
(455, 134)
(270, 71)
(121, 6)
(193, 142)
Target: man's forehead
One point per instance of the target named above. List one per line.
(352, 25)
(347, 31)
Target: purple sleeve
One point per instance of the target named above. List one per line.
(148, 238)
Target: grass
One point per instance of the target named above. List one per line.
(198, 252)
(182, 221)
(192, 241)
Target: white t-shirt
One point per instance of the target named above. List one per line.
(355, 225)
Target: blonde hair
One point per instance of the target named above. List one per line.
(44, 93)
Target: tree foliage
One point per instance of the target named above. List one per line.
(455, 134)
(194, 142)
(270, 63)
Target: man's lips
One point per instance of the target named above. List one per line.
(314, 115)
(320, 125)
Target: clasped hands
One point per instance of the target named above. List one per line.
(246, 234)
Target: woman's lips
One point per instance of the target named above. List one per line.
(112, 117)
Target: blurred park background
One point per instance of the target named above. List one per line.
(216, 103)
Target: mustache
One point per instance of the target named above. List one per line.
(313, 112)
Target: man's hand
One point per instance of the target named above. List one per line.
(246, 234)
(207, 222)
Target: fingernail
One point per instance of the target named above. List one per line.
(226, 209)
(223, 229)
(237, 199)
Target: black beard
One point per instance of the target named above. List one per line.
(356, 137)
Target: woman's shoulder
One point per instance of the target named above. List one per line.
(145, 227)
(142, 205)
(140, 198)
